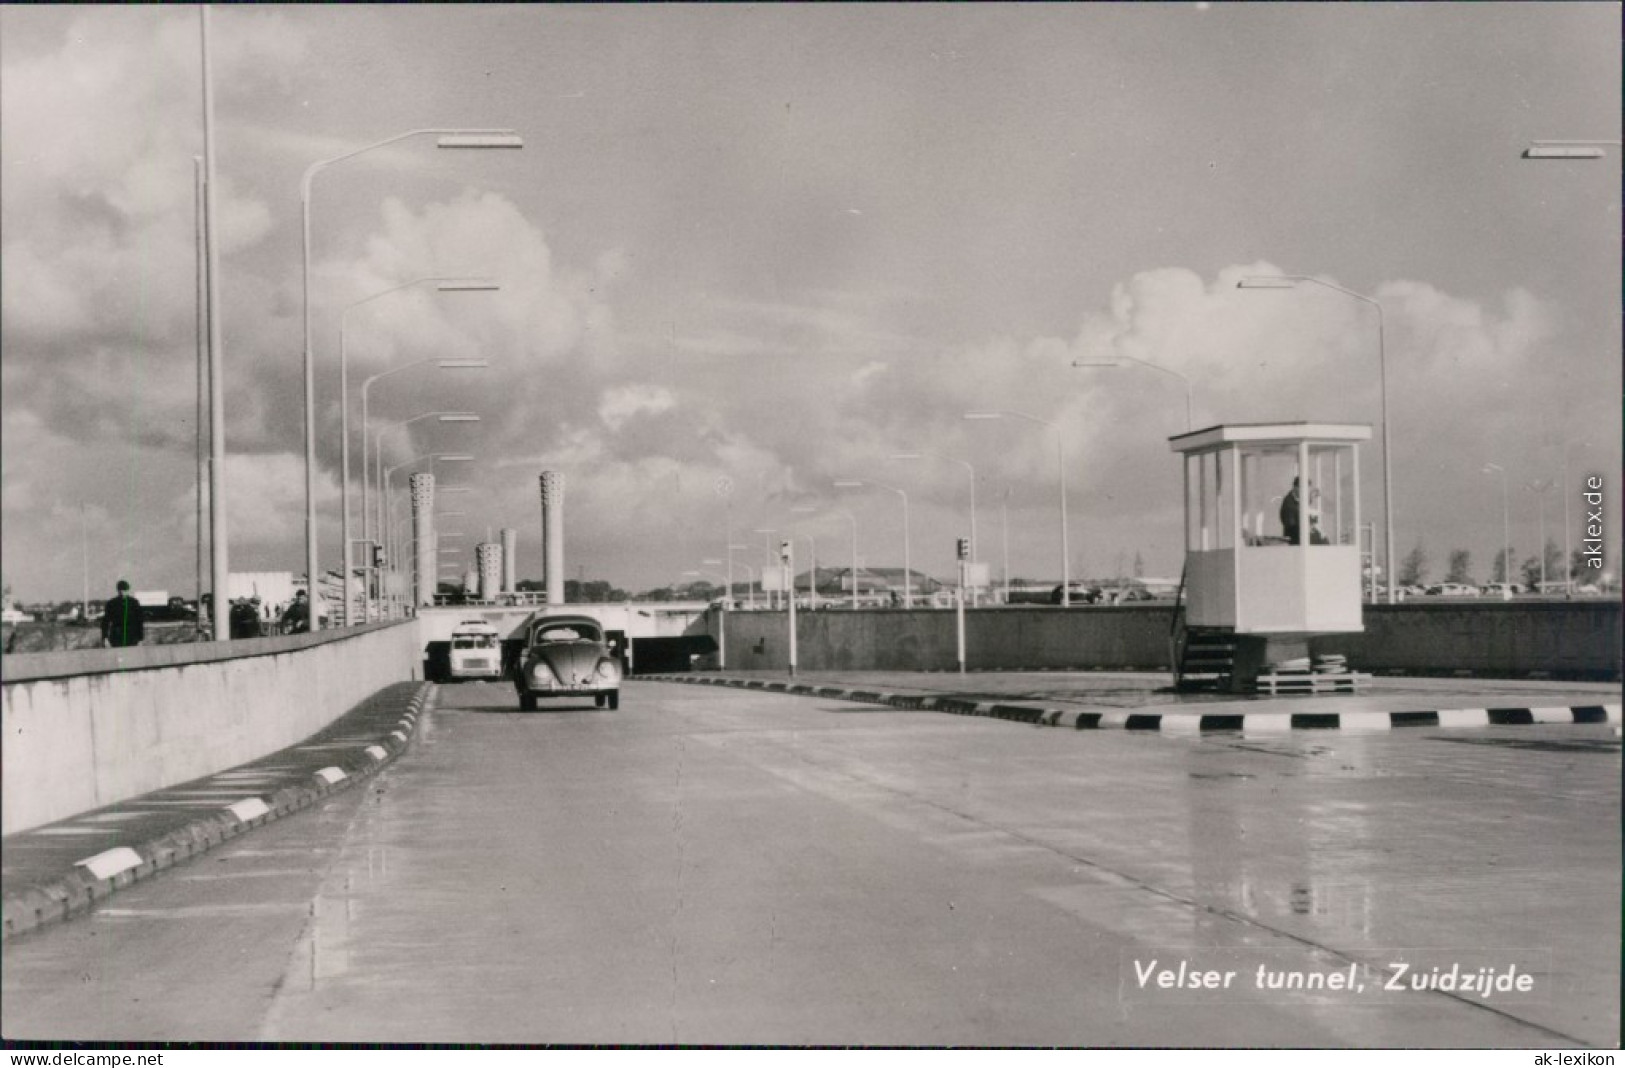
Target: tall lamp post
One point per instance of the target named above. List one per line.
(1539, 488)
(1145, 363)
(1060, 458)
(383, 489)
(750, 575)
(1292, 281)
(451, 138)
(219, 569)
(917, 454)
(908, 567)
(366, 427)
(853, 520)
(444, 417)
(1506, 524)
(444, 285)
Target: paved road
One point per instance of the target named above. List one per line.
(714, 866)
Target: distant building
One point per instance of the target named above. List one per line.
(271, 587)
(873, 580)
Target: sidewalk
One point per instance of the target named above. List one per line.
(1145, 701)
(50, 873)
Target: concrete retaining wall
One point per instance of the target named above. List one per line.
(88, 728)
(1577, 639)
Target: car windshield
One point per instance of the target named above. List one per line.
(473, 641)
(565, 634)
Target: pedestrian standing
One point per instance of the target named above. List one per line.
(121, 619)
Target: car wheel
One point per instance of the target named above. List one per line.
(614, 699)
(527, 702)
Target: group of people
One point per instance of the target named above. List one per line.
(122, 625)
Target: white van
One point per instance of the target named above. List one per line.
(476, 651)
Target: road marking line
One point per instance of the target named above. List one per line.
(111, 863)
(248, 809)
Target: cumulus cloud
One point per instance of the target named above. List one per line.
(623, 403)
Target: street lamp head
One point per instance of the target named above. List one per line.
(848, 483)
(468, 285)
(459, 417)
(711, 563)
(481, 139)
(452, 457)
(1267, 281)
(906, 456)
(461, 365)
(1096, 363)
(1543, 150)
(984, 415)
(454, 489)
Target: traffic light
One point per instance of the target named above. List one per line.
(964, 548)
(377, 555)
(784, 551)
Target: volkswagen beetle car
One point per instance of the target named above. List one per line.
(568, 656)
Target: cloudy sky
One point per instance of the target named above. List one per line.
(769, 247)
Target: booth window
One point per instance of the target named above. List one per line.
(1332, 516)
(1209, 505)
(1267, 474)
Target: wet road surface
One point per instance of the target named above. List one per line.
(715, 866)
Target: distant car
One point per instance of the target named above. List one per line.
(1452, 589)
(1080, 594)
(1504, 590)
(568, 656)
(476, 651)
(1588, 590)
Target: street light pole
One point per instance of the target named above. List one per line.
(1539, 488)
(1060, 459)
(908, 567)
(446, 284)
(366, 428)
(1506, 525)
(750, 575)
(969, 470)
(1289, 281)
(447, 138)
(1154, 367)
(383, 504)
(219, 570)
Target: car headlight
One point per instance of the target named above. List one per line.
(540, 675)
(608, 671)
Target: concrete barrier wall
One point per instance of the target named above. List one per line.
(1576, 639)
(88, 728)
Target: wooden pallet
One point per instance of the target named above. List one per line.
(1311, 683)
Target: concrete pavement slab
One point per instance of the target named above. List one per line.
(53, 872)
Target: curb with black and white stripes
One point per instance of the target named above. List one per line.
(96, 877)
(1177, 723)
